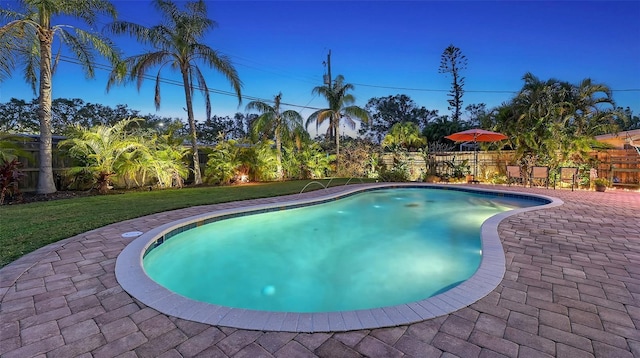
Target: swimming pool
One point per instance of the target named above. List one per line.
(391, 298)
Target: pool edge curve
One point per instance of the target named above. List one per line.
(131, 276)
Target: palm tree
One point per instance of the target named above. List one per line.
(556, 120)
(28, 38)
(224, 161)
(99, 148)
(314, 162)
(167, 166)
(340, 107)
(274, 122)
(595, 109)
(176, 42)
(540, 109)
(439, 127)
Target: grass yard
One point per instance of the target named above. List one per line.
(27, 227)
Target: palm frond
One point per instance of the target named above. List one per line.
(139, 32)
(168, 9)
(157, 98)
(292, 119)
(80, 48)
(312, 118)
(87, 10)
(19, 44)
(221, 63)
(258, 106)
(142, 63)
(162, 37)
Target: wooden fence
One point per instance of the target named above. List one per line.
(620, 166)
(60, 163)
(445, 163)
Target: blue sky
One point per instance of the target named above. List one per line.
(384, 48)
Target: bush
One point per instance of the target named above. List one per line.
(601, 182)
(394, 175)
(10, 175)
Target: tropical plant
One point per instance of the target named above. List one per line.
(167, 165)
(259, 161)
(10, 175)
(224, 162)
(274, 123)
(441, 126)
(387, 111)
(458, 169)
(159, 160)
(341, 106)
(595, 111)
(399, 171)
(314, 161)
(133, 167)
(176, 42)
(99, 148)
(601, 182)
(291, 162)
(406, 135)
(556, 120)
(28, 38)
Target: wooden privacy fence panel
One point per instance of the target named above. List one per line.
(60, 161)
(620, 166)
(489, 163)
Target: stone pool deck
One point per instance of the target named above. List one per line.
(571, 289)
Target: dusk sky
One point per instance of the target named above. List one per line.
(383, 48)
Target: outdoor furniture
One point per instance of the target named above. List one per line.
(515, 175)
(539, 175)
(567, 175)
(476, 135)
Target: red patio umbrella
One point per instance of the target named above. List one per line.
(476, 135)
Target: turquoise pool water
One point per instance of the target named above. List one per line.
(373, 249)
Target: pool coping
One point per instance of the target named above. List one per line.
(131, 276)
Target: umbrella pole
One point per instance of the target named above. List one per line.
(475, 161)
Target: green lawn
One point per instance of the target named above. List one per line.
(25, 228)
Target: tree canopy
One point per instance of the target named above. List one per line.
(387, 111)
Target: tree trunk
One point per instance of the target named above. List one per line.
(192, 128)
(279, 155)
(337, 131)
(46, 185)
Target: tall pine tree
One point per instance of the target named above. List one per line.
(453, 61)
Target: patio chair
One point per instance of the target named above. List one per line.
(515, 175)
(539, 175)
(567, 175)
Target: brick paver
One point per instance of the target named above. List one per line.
(571, 289)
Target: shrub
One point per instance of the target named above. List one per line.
(601, 182)
(394, 175)
(10, 175)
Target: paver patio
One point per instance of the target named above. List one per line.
(571, 289)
